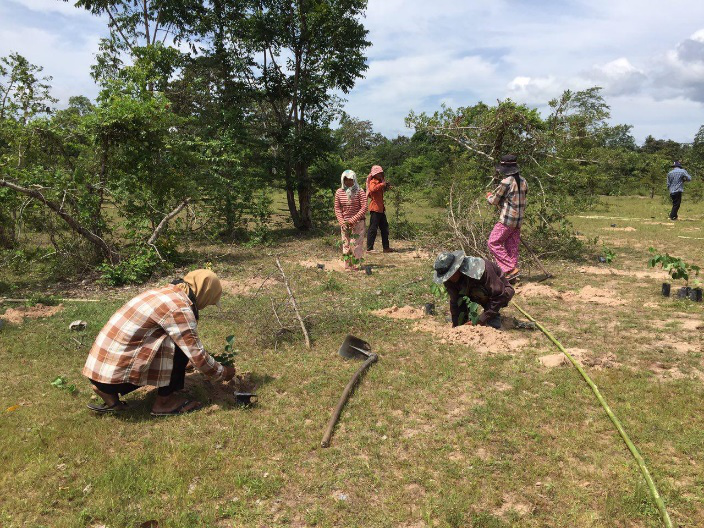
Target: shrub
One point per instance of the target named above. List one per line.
(136, 269)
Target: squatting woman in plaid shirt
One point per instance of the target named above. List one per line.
(149, 342)
(510, 196)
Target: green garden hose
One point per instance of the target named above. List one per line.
(634, 451)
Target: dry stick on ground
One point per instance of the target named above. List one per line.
(293, 303)
(163, 224)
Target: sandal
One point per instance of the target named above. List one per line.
(179, 410)
(104, 408)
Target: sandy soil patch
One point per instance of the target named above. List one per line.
(583, 356)
(595, 295)
(629, 228)
(328, 265)
(512, 503)
(532, 290)
(668, 224)
(666, 372)
(248, 286)
(18, 315)
(597, 270)
(685, 323)
(405, 312)
(481, 338)
(218, 393)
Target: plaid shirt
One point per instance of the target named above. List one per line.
(511, 199)
(137, 344)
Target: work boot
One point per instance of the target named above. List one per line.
(388, 250)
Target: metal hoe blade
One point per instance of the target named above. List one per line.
(355, 348)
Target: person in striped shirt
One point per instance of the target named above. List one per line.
(350, 210)
(150, 340)
(510, 197)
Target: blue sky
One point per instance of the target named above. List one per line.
(648, 56)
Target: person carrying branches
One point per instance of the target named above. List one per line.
(150, 340)
(510, 198)
(351, 210)
(472, 280)
(676, 179)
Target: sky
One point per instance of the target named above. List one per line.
(647, 55)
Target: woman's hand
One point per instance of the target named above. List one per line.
(228, 374)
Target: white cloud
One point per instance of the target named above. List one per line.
(53, 6)
(617, 77)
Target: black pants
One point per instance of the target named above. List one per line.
(178, 379)
(377, 221)
(676, 201)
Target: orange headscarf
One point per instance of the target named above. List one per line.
(206, 287)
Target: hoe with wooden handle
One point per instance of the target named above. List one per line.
(352, 348)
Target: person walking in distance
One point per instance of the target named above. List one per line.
(510, 197)
(376, 186)
(676, 179)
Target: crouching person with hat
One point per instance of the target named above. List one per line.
(150, 340)
(475, 278)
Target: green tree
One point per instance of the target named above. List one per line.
(303, 50)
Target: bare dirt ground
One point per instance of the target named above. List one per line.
(18, 315)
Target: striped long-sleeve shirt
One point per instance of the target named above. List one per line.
(511, 197)
(350, 210)
(137, 344)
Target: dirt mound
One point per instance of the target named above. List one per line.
(248, 286)
(594, 295)
(18, 315)
(405, 312)
(328, 265)
(584, 357)
(665, 372)
(619, 228)
(531, 290)
(596, 270)
(218, 392)
(480, 338)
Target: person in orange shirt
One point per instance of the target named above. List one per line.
(376, 186)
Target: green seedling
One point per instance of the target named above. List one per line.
(675, 266)
(472, 310)
(609, 254)
(227, 358)
(61, 383)
(438, 291)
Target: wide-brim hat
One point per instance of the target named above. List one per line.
(446, 264)
(508, 165)
(473, 267)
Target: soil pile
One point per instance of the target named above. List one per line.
(18, 315)
(594, 295)
(531, 290)
(218, 392)
(595, 270)
(248, 286)
(619, 228)
(480, 338)
(405, 312)
(328, 265)
(584, 357)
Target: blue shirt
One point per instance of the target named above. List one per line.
(676, 178)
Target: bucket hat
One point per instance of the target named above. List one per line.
(508, 165)
(447, 263)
